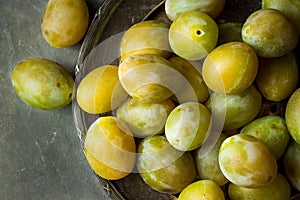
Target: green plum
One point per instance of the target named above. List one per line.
(230, 68)
(193, 35)
(292, 115)
(194, 87)
(290, 8)
(173, 8)
(208, 165)
(147, 37)
(272, 131)
(188, 125)
(235, 110)
(277, 78)
(149, 77)
(164, 168)
(100, 90)
(279, 189)
(110, 148)
(42, 83)
(247, 162)
(270, 38)
(291, 163)
(203, 189)
(65, 22)
(145, 119)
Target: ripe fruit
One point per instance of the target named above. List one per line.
(292, 115)
(290, 8)
(145, 119)
(272, 131)
(277, 78)
(193, 88)
(235, 110)
(42, 83)
(64, 22)
(270, 38)
(193, 35)
(100, 91)
(246, 161)
(208, 164)
(230, 68)
(164, 168)
(203, 189)
(147, 37)
(279, 189)
(110, 148)
(149, 78)
(188, 125)
(291, 163)
(173, 8)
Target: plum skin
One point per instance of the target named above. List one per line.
(246, 161)
(64, 22)
(270, 38)
(193, 35)
(292, 115)
(230, 68)
(42, 83)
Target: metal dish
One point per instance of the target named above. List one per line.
(100, 47)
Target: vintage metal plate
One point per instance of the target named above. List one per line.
(101, 47)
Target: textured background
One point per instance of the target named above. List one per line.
(40, 153)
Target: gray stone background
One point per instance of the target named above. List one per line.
(40, 153)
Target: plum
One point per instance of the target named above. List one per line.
(193, 87)
(290, 8)
(164, 168)
(42, 83)
(145, 119)
(147, 37)
(230, 68)
(235, 110)
(173, 8)
(292, 115)
(270, 38)
(100, 90)
(193, 35)
(188, 125)
(291, 163)
(279, 189)
(272, 131)
(246, 161)
(202, 189)
(65, 22)
(277, 78)
(110, 148)
(149, 77)
(208, 165)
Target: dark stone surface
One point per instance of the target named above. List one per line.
(40, 153)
